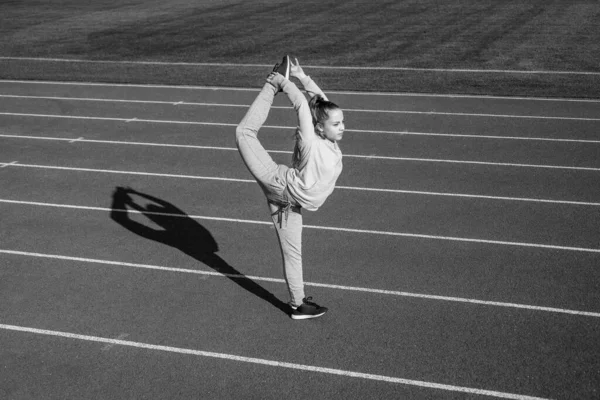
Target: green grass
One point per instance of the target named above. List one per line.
(559, 35)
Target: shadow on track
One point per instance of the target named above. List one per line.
(184, 233)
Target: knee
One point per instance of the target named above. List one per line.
(240, 131)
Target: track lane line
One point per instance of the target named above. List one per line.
(358, 110)
(272, 363)
(110, 171)
(313, 284)
(346, 92)
(339, 67)
(399, 133)
(427, 160)
(472, 136)
(327, 228)
(361, 156)
(356, 188)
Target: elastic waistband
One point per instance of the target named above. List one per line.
(287, 196)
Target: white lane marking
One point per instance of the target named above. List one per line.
(109, 171)
(121, 142)
(471, 196)
(328, 228)
(339, 67)
(367, 157)
(157, 121)
(111, 345)
(322, 285)
(291, 127)
(366, 189)
(202, 104)
(438, 160)
(481, 115)
(354, 93)
(475, 136)
(162, 121)
(2, 165)
(271, 363)
(399, 133)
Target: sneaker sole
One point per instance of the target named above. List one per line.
(307, 316)
(287, 69)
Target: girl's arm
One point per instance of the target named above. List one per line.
(299, 102)
(309, 85)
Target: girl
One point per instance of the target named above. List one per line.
(316, 165)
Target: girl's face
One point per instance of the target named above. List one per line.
(333, 127)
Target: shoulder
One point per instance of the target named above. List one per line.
(307, 135)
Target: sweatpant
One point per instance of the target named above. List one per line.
(271, 177)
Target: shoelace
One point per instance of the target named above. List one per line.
(309, 302)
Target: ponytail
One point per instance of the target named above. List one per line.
(319, 109)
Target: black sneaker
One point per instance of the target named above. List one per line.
(307, 310)
(284, 67)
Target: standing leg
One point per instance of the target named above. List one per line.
(290, 242)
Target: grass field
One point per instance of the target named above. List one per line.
(536, 35)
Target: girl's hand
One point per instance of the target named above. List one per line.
(296, 69)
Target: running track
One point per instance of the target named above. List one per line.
(458, 256)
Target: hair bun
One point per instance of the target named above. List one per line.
(316, 99)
